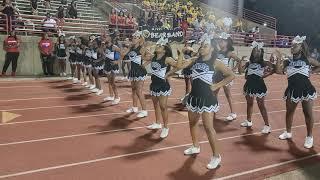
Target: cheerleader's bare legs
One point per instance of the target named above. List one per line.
(98, 89)
(91, 79)
(137, 94)
(227, 93)
(113, 91)
(262, 108)
(84, 76)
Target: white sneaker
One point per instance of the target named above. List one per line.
(285, 135)
(84, 84)
(109, 98)
(231, 117)
(64, 74)
(308, 142)
(164, 133)
(154, 126)
(88, 86)
(61, 74)
(266, 129)
(75, 81)
(132, 110)
(142, 114)
(92, 87)
(192, 150)
(215, 162)
(95, 90)
(99, 92)
(116, 101)
(246, 123)
(69, 78)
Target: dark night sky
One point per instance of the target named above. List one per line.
(294, 16)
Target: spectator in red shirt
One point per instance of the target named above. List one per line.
(121, 18)
(113, 17)
(11, 45)
(46, 47)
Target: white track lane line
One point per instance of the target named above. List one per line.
(127, 155)
(121, 102)
(45, 107)
(105, 114)
(267, 167)
(110, 131)
(7, 87)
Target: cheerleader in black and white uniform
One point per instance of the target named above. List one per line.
(256, 70)
(98, 59)
(201, 101)
(80, 63)
(188, 52)
(61, 54)
(224, 56)
(138, 73)
(111, 68)
(88, 63)
(160, 88)
(72, 56)
(299, 87)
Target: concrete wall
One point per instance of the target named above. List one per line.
(29, 63)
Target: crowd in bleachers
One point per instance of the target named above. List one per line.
(176, 13)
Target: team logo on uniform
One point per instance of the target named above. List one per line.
(132, 55)
(155, 66)
(108, 51)
(200, 67)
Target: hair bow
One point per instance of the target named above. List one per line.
(224, 35)
(298, 39)
(162, 41)
(256, 44)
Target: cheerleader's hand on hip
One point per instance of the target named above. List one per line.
(214, 87)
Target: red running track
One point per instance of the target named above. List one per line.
(65, 132)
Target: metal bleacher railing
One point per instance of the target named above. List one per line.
(81, 27)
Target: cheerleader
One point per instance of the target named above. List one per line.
(61, 54)
(72, 57)
(201, 101)
(225, 54)
(79, 63)
(160, 88)
(125, 47)
(111, 68)
(137, 73)
(256, 71)
(188, 52)
(299, 87)
(88, 63)
(97, 55)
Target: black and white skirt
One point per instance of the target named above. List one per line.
(187, 72)
(72, 59)
(160, 89)
(300, 89)
(87, 62)
(137, 74)
(61, 55)
(255, 87)
(111, 68)
(79, 59)
(200, 104)
(98, 64)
